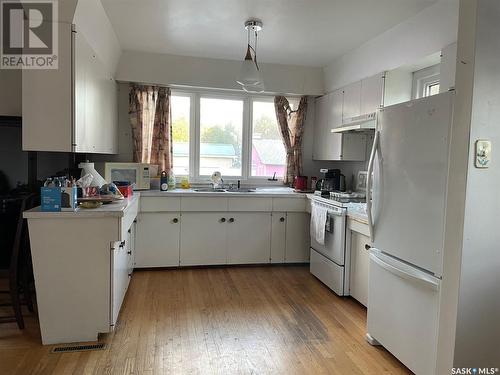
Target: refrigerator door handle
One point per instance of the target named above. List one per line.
(369, 178)
(408, 273)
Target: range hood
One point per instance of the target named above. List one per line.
(358, 124)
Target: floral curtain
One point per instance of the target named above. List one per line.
(291, 123)
(150, 119)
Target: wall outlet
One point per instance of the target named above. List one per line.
(483, 153)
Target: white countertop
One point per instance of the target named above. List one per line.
(259, 192)
(115, 209)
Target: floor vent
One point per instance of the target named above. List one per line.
(79, 348)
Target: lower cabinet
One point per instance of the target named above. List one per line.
(360, 263)
(157, 239)
(248, 238)
(297, 237)
(203, 238)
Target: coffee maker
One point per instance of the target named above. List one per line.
(333, 180)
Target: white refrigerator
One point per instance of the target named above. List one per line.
(407, 179)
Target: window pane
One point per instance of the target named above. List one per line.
(180, 134)
(221, 128)
(433, 89)
(268, 151)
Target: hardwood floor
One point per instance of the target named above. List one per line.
(242, 320)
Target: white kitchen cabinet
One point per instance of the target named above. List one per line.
(120, 280)
(360, 260)
(203, 238)
(352, 101)
(329, 115)
(297, 237)
(248, 238)
(278, 237)
(448, 67)
(72, 108)
(372, 93)
(158, 239)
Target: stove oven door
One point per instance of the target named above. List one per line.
(335, 236)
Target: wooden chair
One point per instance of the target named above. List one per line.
(20, 271)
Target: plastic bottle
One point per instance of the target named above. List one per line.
(171, 180)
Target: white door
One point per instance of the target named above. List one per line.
(372, 93)
(248, 238)
(297, 237)
(203, 238)
(410, 177)
(278, 237)
(352, 101)
(157, 239)
(360, 267)
(403, 312)
(119, 278)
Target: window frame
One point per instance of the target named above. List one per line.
(247, 133)
(424, 78)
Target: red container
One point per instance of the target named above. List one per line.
(127, 191)
(300, 183)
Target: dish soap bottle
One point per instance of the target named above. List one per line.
(163, 181)
(171, 180)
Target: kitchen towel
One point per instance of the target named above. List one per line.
(318, 221)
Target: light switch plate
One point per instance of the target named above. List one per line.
(483, 153)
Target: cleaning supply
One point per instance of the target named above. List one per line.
(171, 180)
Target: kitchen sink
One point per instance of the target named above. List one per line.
(209, 190)
(241, 190)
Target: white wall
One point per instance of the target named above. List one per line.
(91, 20)
(213, 73)
(421, 35)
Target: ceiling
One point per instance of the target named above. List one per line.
(296, 32)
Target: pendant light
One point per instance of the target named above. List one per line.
(250, 77)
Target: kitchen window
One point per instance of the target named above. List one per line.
(235, 134)
(426, 82)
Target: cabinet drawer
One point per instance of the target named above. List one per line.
(331, 274)
(128, 219)
(358, 226)
(160, 204)
(203, 204)
(246, 204)
(289, 204)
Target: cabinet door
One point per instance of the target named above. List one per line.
(248, 238)
(352, 101)
(47, 96)
(278, 237)
(328, 145)
(353, 147)
(372, 89)
(157, 240)
(96, 128)
(203, 238)
(321, 127)
(297, 237)
(119, 278)
(360, 262)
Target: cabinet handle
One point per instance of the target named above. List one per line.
(282, 219)
(175, 220)
(130, 230)
(129, 252)
(223, 220)
(231, 220)
(129, 275)
(367, 247)
(122, 244)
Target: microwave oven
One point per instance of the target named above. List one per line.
(138, 174)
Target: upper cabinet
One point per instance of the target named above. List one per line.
(372, 93)
(72, 108)
(352, 102)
